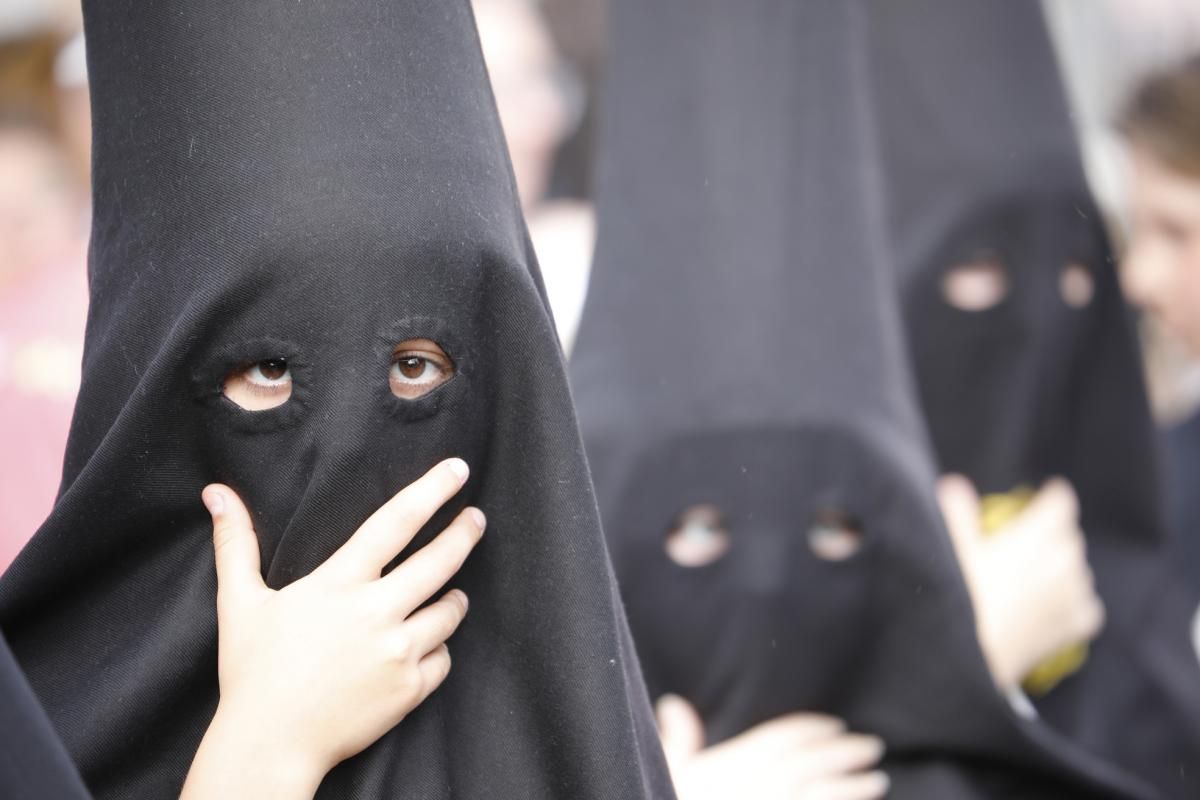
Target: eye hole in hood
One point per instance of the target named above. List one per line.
(700, 536)
(835, 535)
(418, 367)
(976, 285)
(259, 385)
(1076, 285)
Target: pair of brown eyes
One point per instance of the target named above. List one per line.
(418, 367)
(983, 283)
(700, 536)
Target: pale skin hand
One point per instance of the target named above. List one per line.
(1031, 587)
(314, 673)
(797, 757)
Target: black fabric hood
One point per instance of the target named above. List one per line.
(982, 163)
(318, 183)
(740, 348)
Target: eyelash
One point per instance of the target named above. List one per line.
(421, 356)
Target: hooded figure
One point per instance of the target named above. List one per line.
(740, 378)
(1034, 371)
(301, 186)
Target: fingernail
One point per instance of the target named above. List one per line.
(878, 745)
(478, 517)
(459, 468)
(461, 596)
(214, 500)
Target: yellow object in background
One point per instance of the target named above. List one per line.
(997, 510)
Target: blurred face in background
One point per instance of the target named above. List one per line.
(74, 106)
(527, 79)
(44, 153)
(1161, 272)
(40, 208)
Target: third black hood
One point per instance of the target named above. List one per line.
(984, 174)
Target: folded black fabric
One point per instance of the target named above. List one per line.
(33, 761)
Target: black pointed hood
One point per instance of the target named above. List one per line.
(317, 183)
(984, 173)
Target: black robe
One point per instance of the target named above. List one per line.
(982, 164)
(33, 762)
(740, 347)
(318, 182)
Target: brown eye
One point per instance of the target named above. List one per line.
(273, 369)
(976, 285)
(834, 535)
(259, 386)
(412, 367)
(698, 537)
(1076, 286)
(418, 367)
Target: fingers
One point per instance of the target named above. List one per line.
(847, 753)
(867, 786)
(235, 545)
(434, 668)
(815, 750)
(791, 731)
(389, 530)
(960, 507)
(1056, 502)
(1091, 618)
(1084, 610)
(427, 570)
(433, 625)
(415, 682)
(1065, 551)
(679, 726)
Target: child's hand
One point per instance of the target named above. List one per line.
(315, 672)
(797, 757)
(1030, 584)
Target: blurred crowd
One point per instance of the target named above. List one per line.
(44, 154)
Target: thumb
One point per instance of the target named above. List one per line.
(234, 544)
(1056, 504)
(680, 727)
(960, 508)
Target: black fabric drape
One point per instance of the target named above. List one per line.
(33, 762)
(318, 182)
(982, 164)
(1181, 446)
(740, 347)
